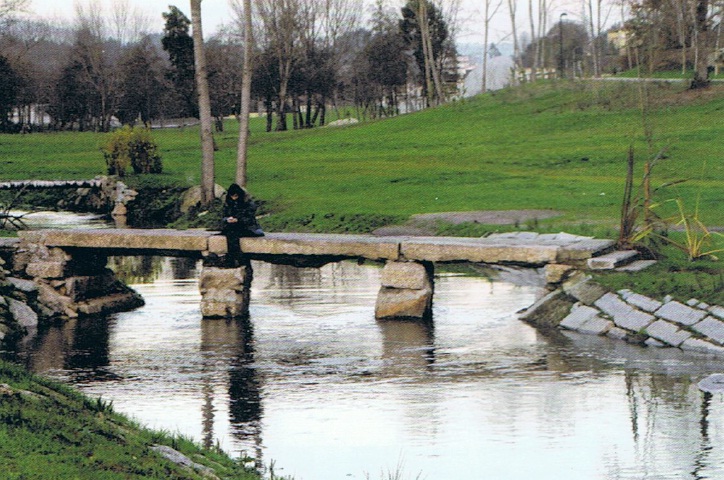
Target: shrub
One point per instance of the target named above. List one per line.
(131, 147)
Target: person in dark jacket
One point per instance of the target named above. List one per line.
(239, 220)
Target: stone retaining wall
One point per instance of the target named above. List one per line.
(582, 305)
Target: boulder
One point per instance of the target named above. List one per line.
(22, 313)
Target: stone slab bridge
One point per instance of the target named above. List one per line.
(70, 265)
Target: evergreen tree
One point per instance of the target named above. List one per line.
(180, 47)
(9, 86)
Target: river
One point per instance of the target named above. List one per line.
(314, 385)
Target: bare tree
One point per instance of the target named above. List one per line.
(491, 8)
(280, 19)
(246, 76)
(128, 23)
(597, 13)
(702, 43)
(512, 6)
(8, 8)
(202, 82)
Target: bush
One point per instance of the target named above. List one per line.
(131, 147)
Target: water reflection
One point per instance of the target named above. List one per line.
(314, 383)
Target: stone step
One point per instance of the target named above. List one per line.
(612, 260)
(636, 266)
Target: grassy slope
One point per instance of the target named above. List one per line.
(51, 431)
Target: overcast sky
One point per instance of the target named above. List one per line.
(216, 12)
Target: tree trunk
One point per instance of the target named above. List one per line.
(701, 52)
(246, 74)
(202, 83)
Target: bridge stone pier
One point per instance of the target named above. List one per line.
(70, 264)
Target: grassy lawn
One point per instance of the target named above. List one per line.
(537, 147)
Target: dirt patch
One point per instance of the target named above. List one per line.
(487, 217)
(424, 223)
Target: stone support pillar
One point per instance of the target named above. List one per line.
(225, 292)
(406, 291)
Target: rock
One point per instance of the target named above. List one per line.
(22, 313)
(225, 291)
(612, 260)
(667, 333)
(410, 275)
(54, 302)
(25, 286)
(712, 384)
(117, 302)
(580, 314)
(680, 313)
(180, 459)
(403, 303)
(640, 301)
(548, 311)
(712, 328)
(192, 197)
(702, 346)
(623, 314)
(584, 289)
(343, 122)
(556, 273)
(717, 311)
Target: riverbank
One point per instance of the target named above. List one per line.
(48, 430)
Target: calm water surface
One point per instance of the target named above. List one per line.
(313, 383)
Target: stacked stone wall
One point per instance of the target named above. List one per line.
(582, 305)
(71, 284)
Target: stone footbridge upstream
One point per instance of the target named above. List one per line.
(70, 265)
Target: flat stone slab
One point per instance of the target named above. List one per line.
(449, 249)
(640, 301)
(702, 346)
(121, 239)
(717, 311)
(636, 266)
(322, 244)
(680, 313)
(612, 260)
(713, 383)
(623, 314)
(712, 328)
(667, 333)
(580, 314)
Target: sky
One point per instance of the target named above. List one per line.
(216, 12)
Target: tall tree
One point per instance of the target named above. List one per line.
(141, 85)
(180, 47)
(246, 76)
(702, 43)
(426, 33)
(281, 28)
(491, 8)
(202, 84)
(9, 86)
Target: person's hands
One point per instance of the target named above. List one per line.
(232, 220)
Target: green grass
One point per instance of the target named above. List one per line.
(539, 146)
(48, 430)
(666, 74)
